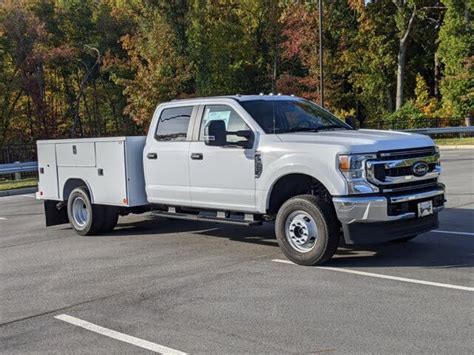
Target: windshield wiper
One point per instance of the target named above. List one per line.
(302, 129)
(313, 129)
(333, 126)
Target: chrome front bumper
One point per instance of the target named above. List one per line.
(375, 209)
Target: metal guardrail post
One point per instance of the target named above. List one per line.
(17, 175)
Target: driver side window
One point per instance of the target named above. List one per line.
(233, 122)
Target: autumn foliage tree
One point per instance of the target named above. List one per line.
(81, 68)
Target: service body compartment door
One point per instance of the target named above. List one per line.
(48, 173)
(110, 182)
(134, 170)
(76, 154)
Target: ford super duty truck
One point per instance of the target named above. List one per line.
(248, 160)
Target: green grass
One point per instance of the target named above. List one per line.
(455, 141)
(12, 184)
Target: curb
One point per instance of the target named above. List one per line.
(23, 191)
(466, 146)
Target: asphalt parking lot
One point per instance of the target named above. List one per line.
(178, 286)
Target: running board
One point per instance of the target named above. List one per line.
(248, 219)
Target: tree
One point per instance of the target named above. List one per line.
(300, 71)
(371, 59)
(160, 70)
(407, 14)
(51, 79)
(230, 43)
(456, 54)
(93, 68)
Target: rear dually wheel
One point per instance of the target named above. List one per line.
(85, 218)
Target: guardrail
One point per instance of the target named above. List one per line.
(441, 130)
(26, 167)
(17, 177)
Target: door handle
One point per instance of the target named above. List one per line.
(152, 156)
(196, 156)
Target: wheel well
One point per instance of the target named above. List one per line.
(71, 184)
(292, 185)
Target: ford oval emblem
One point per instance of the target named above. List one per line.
(420, 168)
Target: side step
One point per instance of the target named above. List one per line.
(220, 217)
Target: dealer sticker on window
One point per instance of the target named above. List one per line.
(425, 208)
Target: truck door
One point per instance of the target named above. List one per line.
(222, 177)
(166, 158)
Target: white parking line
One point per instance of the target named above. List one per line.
(2, 218)
(388, 277)
(452, 232)
(119, 336)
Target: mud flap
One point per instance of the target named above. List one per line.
(54, 216)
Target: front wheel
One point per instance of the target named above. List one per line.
(307, 230)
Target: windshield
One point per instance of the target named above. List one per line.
(284, 116)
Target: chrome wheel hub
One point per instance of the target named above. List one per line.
(301, 231)
(80, 212)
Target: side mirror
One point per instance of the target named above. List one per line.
(248, 140)
(215, 133)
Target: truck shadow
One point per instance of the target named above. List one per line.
(437, 250)
(427, 250)
(263, 235)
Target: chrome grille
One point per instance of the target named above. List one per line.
(394, 170)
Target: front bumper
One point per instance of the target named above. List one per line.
(373, 219)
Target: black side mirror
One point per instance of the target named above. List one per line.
(248, 136)
(215, 133)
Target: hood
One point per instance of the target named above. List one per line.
(362, 140)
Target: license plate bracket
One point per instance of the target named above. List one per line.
(425, 208)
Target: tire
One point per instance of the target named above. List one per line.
(111, 215)
(307, 230)
(87, 219)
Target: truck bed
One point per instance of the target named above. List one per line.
(111, 167)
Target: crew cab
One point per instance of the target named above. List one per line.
(249, 160)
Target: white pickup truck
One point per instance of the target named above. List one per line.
(248, 160)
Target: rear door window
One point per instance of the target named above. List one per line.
(173, 124)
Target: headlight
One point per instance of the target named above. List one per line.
(353, 168)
